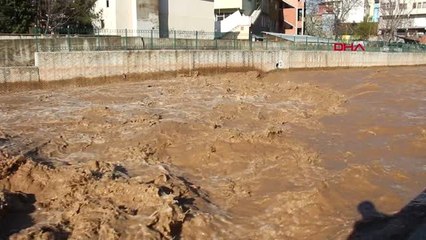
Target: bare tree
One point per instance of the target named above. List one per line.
(313, 20)
(340, 11)
(55, 14)
(395, 15)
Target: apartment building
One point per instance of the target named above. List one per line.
(160, 15)
(293, 16)
(407, 17)
(372, 10)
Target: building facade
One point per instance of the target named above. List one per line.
(187, 15)
(407, 17)
(162, 16)
(128, 14)
(293, 16)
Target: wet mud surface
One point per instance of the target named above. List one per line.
(287, 155)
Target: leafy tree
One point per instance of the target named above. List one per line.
(16, 16)
(366, 28)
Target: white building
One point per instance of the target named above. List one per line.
(159, 15)
(128, 14)
(187, 15)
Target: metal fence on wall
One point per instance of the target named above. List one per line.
(68, 39)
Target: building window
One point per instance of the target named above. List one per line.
(107, 3)
(414, 5)
(299, 14)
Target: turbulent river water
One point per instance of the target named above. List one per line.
(285, 155)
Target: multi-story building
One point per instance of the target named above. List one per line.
(404, 18)
(372, 10)
(293, 14)
(242, 16)
(160, 15)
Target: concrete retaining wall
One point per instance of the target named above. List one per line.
(18, 74)
(20, 52)
(62, 66)
(327, 59)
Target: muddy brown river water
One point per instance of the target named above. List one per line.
(285, 155)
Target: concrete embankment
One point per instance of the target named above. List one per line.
(19, 74)
(51, 66)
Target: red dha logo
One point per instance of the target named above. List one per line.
(341, 47)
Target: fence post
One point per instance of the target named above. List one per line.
(125, 39)
(235, 39)
(306, 43)
(68, 38)
(317, 43)
(196, 39)
(328, 45)
(98, 44)
(216, 45)
(36, 38)
(294, 42)
(251, 40)
(152, 38)
(174, 39)
(266, 43)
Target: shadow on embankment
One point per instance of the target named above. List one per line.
(409, 223)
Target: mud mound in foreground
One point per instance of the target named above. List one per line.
(95, 200)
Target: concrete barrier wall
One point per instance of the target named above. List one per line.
(18, 74)
(69, 65)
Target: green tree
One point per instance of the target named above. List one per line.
(16, 16)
